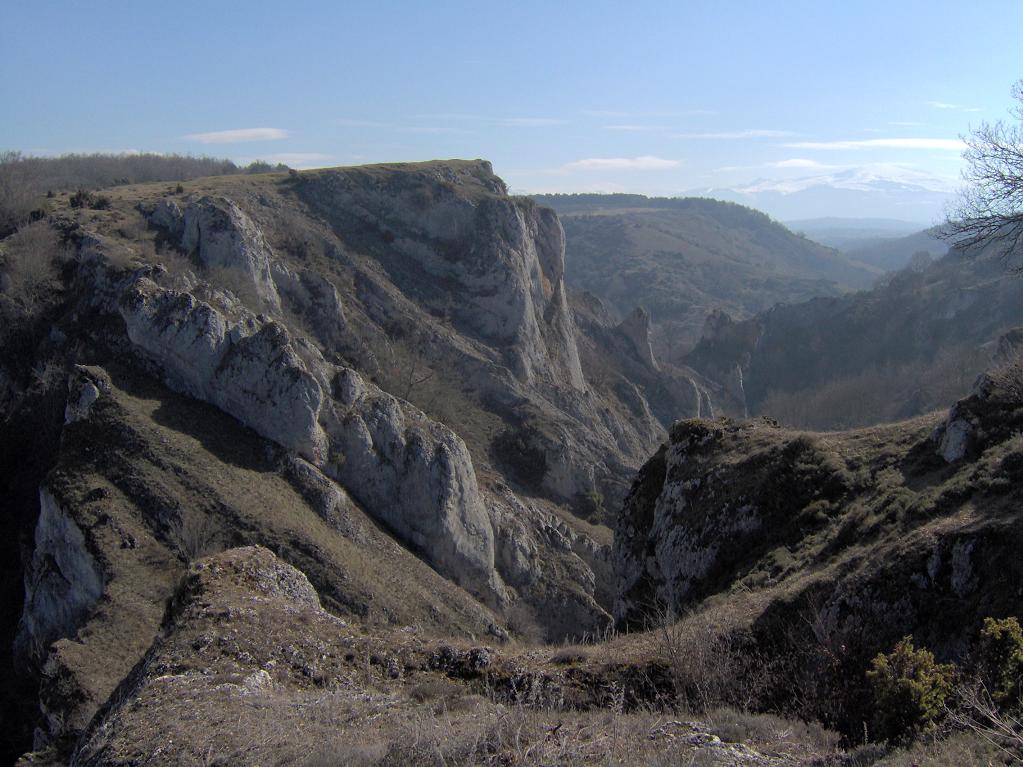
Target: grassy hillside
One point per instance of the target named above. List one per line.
(912, 344)
(683, 258)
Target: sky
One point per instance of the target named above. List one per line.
(657, 98)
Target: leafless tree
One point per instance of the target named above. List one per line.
(977, 712)
(990, 208)
(415, 376)
(16, 195)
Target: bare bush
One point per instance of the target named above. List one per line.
(17, 193)
(990, 208)
(711, 666)
(195, 535)
(976, 711)
(29, 261)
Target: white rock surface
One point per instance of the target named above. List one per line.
(62, 583)
(409, 472)
(222, 236)
(501, 259)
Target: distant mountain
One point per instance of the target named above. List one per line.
(681, 259)
(877, 191)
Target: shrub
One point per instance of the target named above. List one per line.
(80, 199)
(909, 690)
(519, 452)
(590, 506)
(1000, 660)
(100, 202)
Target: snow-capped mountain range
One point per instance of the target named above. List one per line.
(867, 191)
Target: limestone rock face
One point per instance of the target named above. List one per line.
(313, 297)
(990, 411)
(636, 327)
(62, 583)
(248, 369)
(412, 474)
(84, 388)
(416, 477)
(495, 262)
(222, 236)
(697, 513)
(954, 437)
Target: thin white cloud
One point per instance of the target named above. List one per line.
(797, 162)
(513, 122)
(740, 134)
(646, 162)
(347, 122)
(635, 128)
(238, 135)
(906, 124)
(531, 122)
(946, 105)
(610, 113)
(882, 143)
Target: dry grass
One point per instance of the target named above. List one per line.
(958, 749)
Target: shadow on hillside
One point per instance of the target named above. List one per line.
(223, 437)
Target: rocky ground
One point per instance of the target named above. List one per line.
(248, 668)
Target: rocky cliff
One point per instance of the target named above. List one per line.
(385, 387)
(866, 536)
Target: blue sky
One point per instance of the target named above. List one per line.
(657, 98)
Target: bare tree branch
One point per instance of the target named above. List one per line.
(990, 210)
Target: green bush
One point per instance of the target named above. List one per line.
(1000, 660)
(909, 690)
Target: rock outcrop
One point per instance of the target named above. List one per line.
(246, 647)
(869, 535)
(991, 411)
(221, 236)
(62, 583)
(451, 235)
(636, 328)
(414, 475)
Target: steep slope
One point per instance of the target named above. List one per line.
(837, 544)
(147, 479)
(680, 259)
(893, 253)
(907, 346)
(373, 371)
